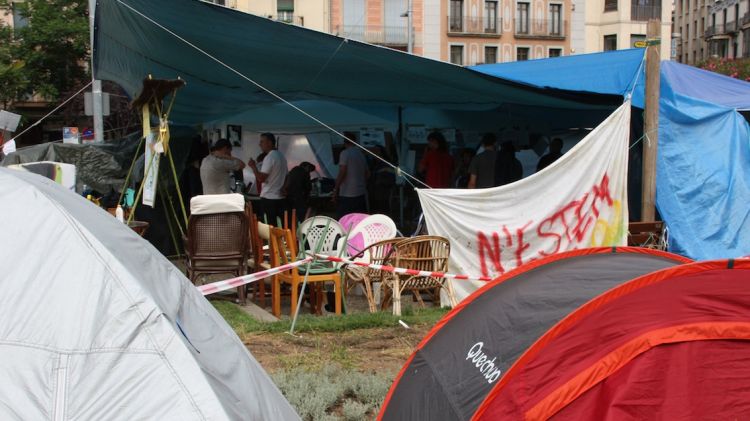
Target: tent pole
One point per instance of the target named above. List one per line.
(651, 125)
(401, 159)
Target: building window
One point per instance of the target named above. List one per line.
(285, 10)
(456, 16)
(490, 17)
(555, 13)
(610, 5)
(695, 29)
(522, 20)
(219, 2)
(610, 42)
(555, 52)
(687, 31)
(457, 54)
(490, 55)
(746, 43)
(19, 21)
(522, 53)
(643, 10)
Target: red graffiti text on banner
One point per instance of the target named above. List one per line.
(567, 228)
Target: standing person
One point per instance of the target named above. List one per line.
(461, 175)
(381, 183)
(555, 152)
(271, 177)
(216, 167)
(351, 183)
(437, 163)
(297, 188)
(482, 167)
(508, 168)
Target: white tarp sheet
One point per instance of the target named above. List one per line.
(577, 202)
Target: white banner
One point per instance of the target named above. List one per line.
(151, 168)
(579, 201)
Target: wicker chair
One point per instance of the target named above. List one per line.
(283, 247)
(217, 243)
(424, 253)
(377, 254)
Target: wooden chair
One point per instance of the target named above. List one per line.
(646, 234)
(424, 253)
(217, 243)
(376, 253)
(260, 239)
(283, 247)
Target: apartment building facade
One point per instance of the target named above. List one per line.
(313, 14)
(719, 29)
(619, 24)
(463, 32)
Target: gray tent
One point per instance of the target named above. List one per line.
(96, 324)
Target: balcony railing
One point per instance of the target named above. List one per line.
(720, 29)
(291, 19)
(644, 13)
(540, 28)
(383, 35)
(475, 25)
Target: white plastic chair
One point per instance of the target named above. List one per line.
(369, 231)
(323, 235)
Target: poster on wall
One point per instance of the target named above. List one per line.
(234, 135)
(371, 137)
(416, 134)
(151, 171)
(71, 135)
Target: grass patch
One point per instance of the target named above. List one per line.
(242, 323)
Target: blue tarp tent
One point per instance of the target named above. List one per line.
(703, 167)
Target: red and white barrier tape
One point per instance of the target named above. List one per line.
(412, 272)
(242, 280)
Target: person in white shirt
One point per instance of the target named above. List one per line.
(271, 175)
(216, 167)
(351, 183)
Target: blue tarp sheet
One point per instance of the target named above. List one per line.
(703, 167)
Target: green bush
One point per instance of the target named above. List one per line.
(333, 393)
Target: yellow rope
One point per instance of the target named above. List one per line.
(130, 171)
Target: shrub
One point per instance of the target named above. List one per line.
(736, 68)
(332, 393)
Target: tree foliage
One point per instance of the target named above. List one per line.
(49, 56)
(13, 80)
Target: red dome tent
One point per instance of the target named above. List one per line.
(668, 345)
(468, 352)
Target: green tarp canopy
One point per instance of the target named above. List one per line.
(171, 38)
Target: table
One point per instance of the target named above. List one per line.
(139, 227)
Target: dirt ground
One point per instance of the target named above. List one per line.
(381, 350)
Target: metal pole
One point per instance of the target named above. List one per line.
(651, 125)
(410, 29)
(96, 86)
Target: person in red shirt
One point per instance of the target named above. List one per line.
(437, 163)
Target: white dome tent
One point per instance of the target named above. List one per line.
(96, 324)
